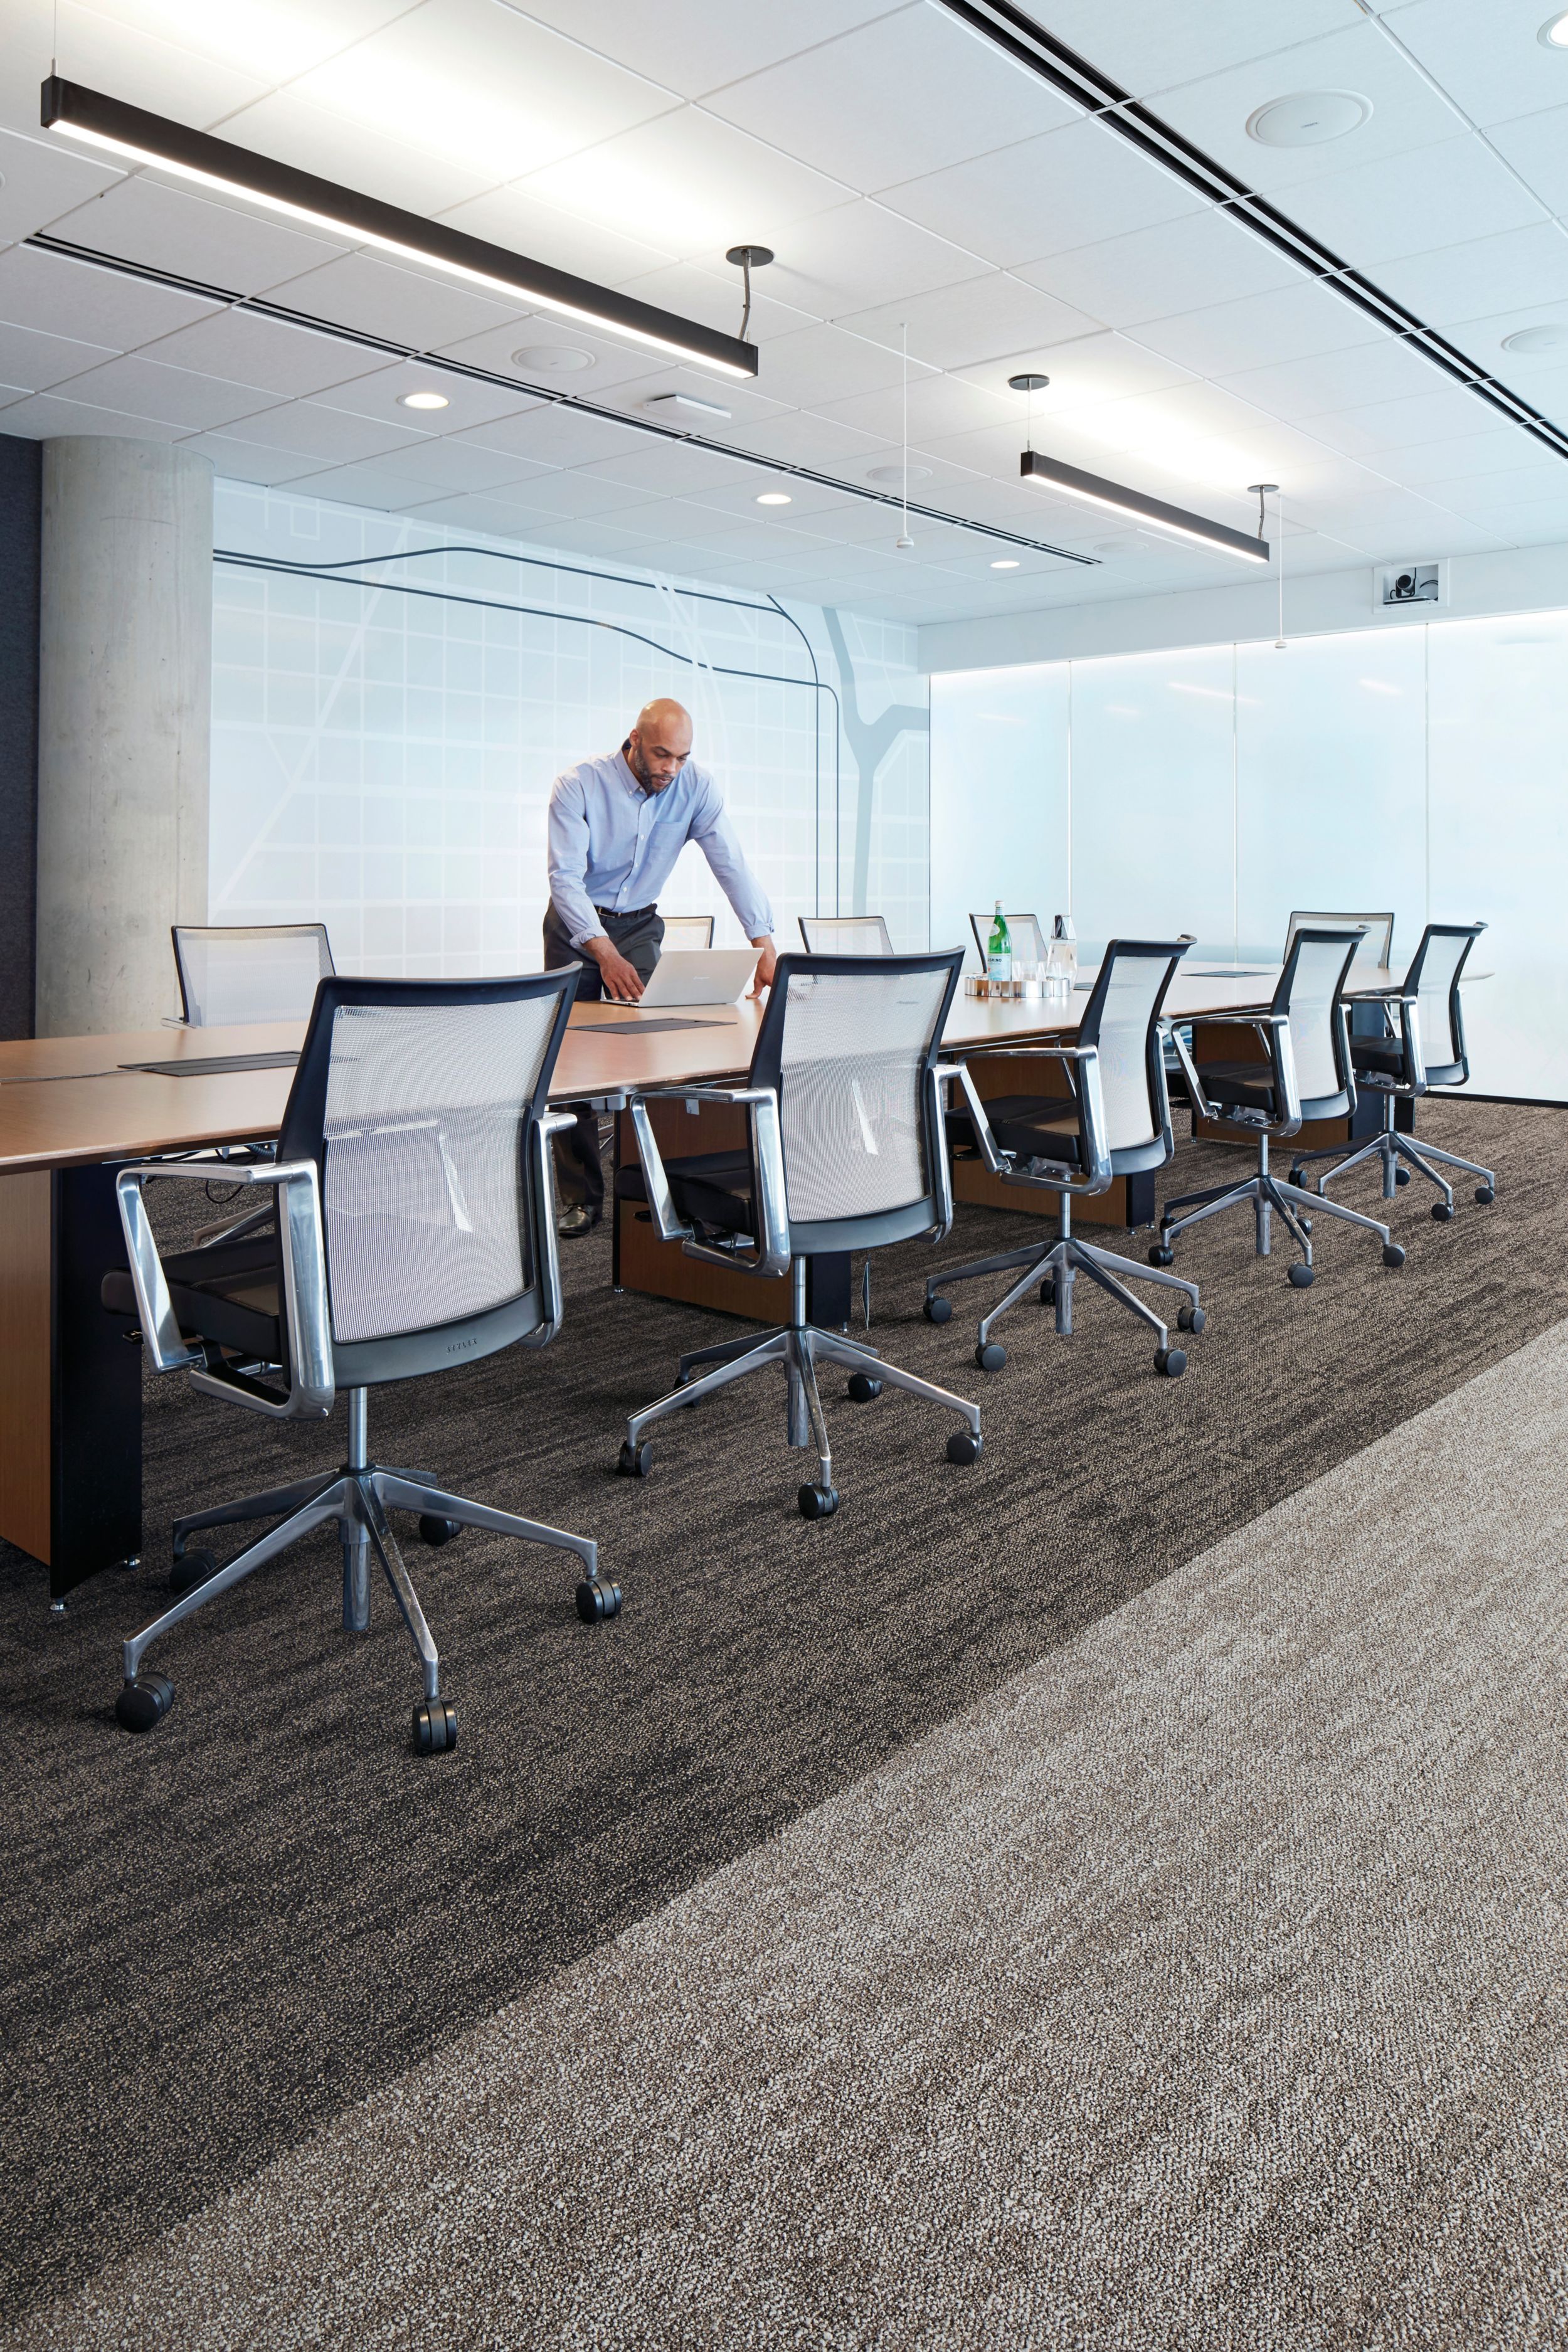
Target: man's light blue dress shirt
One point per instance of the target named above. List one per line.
(614, 846)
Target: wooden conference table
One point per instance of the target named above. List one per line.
(73, 1108)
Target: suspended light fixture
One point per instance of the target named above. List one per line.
(108, 124)
(1261, 491)
(1113, 497)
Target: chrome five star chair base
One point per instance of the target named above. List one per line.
(358, 1497)
(1399, 1154)
(1265, 1194)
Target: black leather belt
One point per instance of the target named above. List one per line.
(625, 914)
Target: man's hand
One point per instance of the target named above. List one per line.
(766, 964)
(621, 979)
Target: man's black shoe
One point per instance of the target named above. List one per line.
(576, 1223)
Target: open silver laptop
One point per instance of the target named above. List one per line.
(700, 976)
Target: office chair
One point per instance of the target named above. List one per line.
(1376, 949)
(240, 972)
(1308, 1075)
(1031, 942)
(688, 930)
(415, 1230)
(1115, 1122)
(1429, 1051)
(845, 1151)
(865, 934)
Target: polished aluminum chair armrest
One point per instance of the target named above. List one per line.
(312, 1385)
(1274, 1031)
(770, 1255)
(553, 1123)
(1091, 1119)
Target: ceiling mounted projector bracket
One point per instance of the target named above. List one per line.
(746, 258)
(108, 124)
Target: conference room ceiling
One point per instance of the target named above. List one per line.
(914, 181)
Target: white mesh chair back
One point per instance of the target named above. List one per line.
(1436, 964)
(688, 930)
(425, 1190)
(1030, 943)
(1314, 989)
(1375, 949)
(851, 1092)
(235, 974)
(845, 935)
(1127, 992)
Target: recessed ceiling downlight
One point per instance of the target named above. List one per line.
(422, 400)
(552, 359)
(1005, 563)
(1553, 34)
(896, 474)
(1535, 342)
(1308, 118)
(773, 498)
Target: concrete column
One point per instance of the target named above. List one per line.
(124, 728)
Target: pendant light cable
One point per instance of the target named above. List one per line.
(904, 540)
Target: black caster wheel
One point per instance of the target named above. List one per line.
(144, 1703)
(1402, 1175)
(964, 1446)
(1298, 1177)
(435, 1727)
(189, 1569)
(1305, 1223)
(1191, 1319)
(990, 1356)
(1171, 1361)
(438, 1531)
(817, 1502)
(1485, 1196)
(1442, 1213)
(635, 1461)
(1393, 1254)
(1301, 1277)
(1162, 1254)
(938, 1310)
(598, 1602)
(861, 1388)
(1047, 1293)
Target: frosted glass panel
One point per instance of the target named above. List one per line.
(1498, 694)
(1151, 799)
(1331, 774)
(998, 797)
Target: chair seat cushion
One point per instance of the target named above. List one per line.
(1383, 1054)
(1247, 1085)
(713, 1188)
(228, 1294)
(1035, 1127)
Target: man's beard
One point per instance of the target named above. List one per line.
(638, 767)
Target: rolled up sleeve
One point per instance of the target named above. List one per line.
(568, 860)
(711, 830)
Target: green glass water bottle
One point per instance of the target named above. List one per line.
(999, 948)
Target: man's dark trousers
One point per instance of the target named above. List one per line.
(579, 1177)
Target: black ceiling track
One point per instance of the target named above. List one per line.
(1010, 29)
(256, 306)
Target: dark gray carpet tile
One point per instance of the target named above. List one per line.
(219, 1937)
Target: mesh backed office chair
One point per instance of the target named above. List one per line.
(1376, 949)
(1030, 943)
(1308, 1075)
(237, 972)
(1427, 1050)
(687, 930)
(1116, 1122)
(845, 1151)
(415, 1232)
(864, 935)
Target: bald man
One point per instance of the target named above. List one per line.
(616, 826)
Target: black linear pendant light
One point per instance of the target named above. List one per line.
(1071, 482)
(117, 128)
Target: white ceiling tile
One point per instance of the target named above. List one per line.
(32, 362)
(1367, 215)
(1381, 432)
(1406, 113)
(1490, 60)
(331, 143)
(802, 438)
(458, 466)
(480, 513)
(1483, 339)
(1290, 324)
(558, 437)
(963, 325)
(747, 407)
(1539, 523)
(1204, 438)
(48, 416)
(691, 185)
(268, 42)
(1537, 146)
(1475, 453)
(378, 391)
(669, 468)
(578, 494)
(692, 46)
(1045, 195)
(147, 63)
(57, 297)
(1543, 479)
(289, 361)
(862, 106)
(590, 538)
(816, 364)
(1182, 264)
(176, 396)
(1385, 370)
(938, 405)
(368, 485)
(861, 253)
(331, 435)
(380, 297)
(246, 461)
(1526, 266)
(712, 294)
(524, 224)
(1147, 46)
(164, 227)
(40, 181)
(1088, 368)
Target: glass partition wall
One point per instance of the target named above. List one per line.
(1421, 767)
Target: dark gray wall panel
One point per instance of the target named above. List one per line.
(21, 476)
